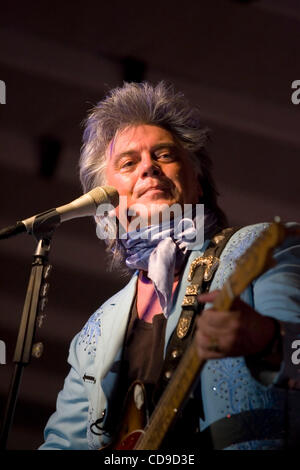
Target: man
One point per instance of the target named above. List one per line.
(150, 145)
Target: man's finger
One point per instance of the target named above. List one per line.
(209, 297)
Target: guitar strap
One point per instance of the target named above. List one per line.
(200, 276)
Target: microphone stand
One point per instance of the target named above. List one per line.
(34, 305)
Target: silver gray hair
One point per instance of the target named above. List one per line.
(143, 103)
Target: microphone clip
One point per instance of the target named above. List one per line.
(45, 224)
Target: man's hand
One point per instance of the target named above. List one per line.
(238, 332)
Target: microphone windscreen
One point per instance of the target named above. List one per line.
(105, 194)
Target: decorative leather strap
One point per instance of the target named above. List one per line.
(200, 275)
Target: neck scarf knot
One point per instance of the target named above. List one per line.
(160, 250)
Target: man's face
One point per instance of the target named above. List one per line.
(147, 165)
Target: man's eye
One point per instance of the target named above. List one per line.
(126, 164)
(165, 156)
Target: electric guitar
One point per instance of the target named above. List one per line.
(138, 433)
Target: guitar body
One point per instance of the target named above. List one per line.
(134, 419)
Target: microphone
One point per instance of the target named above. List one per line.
(83, 206)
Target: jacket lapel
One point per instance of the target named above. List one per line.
(114, 323)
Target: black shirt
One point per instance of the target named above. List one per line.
(143, 360)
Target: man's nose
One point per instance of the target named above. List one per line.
(149, 167)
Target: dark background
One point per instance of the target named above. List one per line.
(237, 60)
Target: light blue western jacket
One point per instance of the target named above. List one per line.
(241, 410)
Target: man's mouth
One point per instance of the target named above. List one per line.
(153, 189)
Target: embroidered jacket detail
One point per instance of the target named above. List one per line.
(238, 244)
(90, 333)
